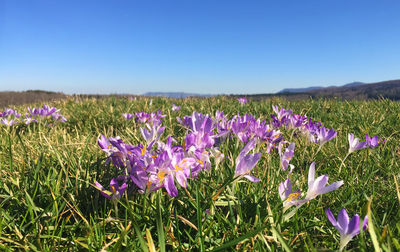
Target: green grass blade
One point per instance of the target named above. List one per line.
(238, 240)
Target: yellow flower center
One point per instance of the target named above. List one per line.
(293, 196)
(161, 175)
(113, 189)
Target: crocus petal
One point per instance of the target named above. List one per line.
(102, 190)
(311, 175)
(252, 178)
(247, 164)
(249, 146)
(285, 189)
(320, 183)
(331, 187)
(365, 222)
(102, 142)
(351, 138)
(343, 221)
(354, 226)
(114, 184)
(181, 178)
(331, 218)
(170, 186)
(122, 189)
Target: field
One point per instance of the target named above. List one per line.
(49, 198)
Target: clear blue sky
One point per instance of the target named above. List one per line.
(202, 46)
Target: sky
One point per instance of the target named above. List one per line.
(206, 47)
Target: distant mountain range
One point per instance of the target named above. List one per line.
(175, 94)
(303, 90)
(356, 90)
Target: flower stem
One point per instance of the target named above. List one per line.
(340, 168)
(10, 151)
(160, 227)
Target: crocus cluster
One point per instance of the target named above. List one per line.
(156, 164)
(247, 127)
(315, 131)
(149, 118)
(244, 128)
(10, 117)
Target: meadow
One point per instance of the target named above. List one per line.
(228, 187)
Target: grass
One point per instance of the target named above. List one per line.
(48, 200)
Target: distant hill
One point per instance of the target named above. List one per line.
(305, 90)
(352, 91)
(298, 90)
(175, 94)
(385, 89)
(8, 98)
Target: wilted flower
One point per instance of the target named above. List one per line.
(347, 229)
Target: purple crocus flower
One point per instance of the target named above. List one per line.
(246, 162)
(13, 112)
(288, 197)
(318, 186)
(142, 116)
(347, 229)
(7, 122)
(152, 133)
(182, 167)
(29, 120)
(324, 135)
(286, 156)
(162, 174)
(242, 100)
(355, 144)
(116, 190)
(127, 116)
(58, 117)
(281, 113)
(47, 111)
(150, 118)
(175, 108)
(373, 142)
(296, 121)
